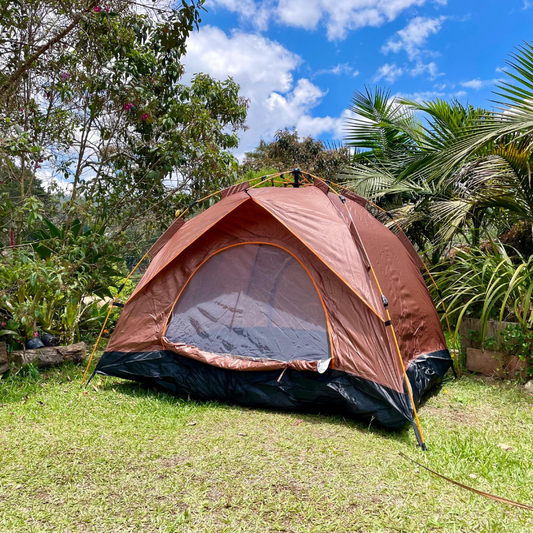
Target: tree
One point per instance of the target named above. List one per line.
(287, 151)
(101, 109)
(444, 169)
(400, 141)
(109, 115)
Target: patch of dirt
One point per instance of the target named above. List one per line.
(173, 462)
(468, 417)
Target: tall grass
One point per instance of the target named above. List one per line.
(489, 285)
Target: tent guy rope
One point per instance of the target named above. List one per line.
(471, 489)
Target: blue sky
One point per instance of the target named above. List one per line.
(299, 61)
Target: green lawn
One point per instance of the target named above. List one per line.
(121, 458)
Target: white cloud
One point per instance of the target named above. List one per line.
(339, 17)
(527, 4)
(414, 36)
(420, 96)
(430, 68)
(51, 182)
(300, 13)
(341, 68)
(390, 72)
(478, 83)
(264, 69)
(426, 96)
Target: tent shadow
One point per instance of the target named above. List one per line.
(436, 389)
(314, 417)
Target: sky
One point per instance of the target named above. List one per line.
(300, 61)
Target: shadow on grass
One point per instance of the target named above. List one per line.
(316, 417)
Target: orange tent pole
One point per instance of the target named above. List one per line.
(389, 321)
(456, 362)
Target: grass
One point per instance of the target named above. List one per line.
(118, 457)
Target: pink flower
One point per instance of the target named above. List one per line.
(107, 9)
(35, 334)
(3, 324)
(146, 116)
(97, 9)
(128, 106)
(65, 75)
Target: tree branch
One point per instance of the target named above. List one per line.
(7, 87)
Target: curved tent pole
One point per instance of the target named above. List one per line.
(178, 215)
(417, 427)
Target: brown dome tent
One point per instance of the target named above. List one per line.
(291, 298)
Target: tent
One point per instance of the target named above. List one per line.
(289, 298)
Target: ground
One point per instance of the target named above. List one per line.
(118, 457)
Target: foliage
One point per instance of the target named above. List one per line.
(489, 285)
(58, 287)
(110, 119)
(518, 341)
(445, 170)
(92, 99)
(287, 151)
(400, 142)
(513, 340)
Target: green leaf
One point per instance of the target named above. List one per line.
(8, 332)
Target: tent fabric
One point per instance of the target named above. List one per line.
(158, 245)
(278, 280)
(234, 189)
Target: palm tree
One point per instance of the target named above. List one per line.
(444, 169)
(401, 140)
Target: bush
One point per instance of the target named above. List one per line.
(490, 284)
(51, 295)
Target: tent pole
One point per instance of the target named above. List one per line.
(419, 435)
(455, 367)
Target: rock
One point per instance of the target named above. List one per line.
(529, 386)
(34, 344)
(49, 340)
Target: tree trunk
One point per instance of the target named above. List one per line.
(4, 362)
(49, 356)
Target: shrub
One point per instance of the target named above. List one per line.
(490, 285)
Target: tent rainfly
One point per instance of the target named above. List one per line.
(289, 298)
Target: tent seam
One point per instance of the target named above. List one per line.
(319, 257)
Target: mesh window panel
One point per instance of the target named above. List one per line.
(253, 301)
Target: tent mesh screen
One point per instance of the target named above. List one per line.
(252, 301)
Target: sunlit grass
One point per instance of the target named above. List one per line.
(117, 457)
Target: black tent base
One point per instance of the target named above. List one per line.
(333, 392)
